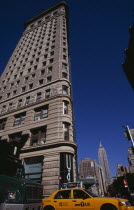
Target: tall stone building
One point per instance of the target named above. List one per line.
(36, 101)
(102, 156)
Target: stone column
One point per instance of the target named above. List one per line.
(9, 123)
(29, 116)
(50, 174)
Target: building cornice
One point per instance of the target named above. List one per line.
(45, 12)
(48, 146)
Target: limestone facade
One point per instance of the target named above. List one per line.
(35, 97)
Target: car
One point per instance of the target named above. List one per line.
(78, 198)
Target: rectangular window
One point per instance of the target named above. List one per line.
(27, 100)
(14, 92)
(33, 75)
(41, 112)
(2, 124)
(49, 69)
(41, 82)
(51, 60)
(49, 79)
(10, 106)
(16, 137)
(31, 86)
(64, 66)
(43, 72)
(8, 95)
(12, 84)
(65, 107)
(18, 82)
(15, 76)
(24, 89)
(35, 67)
(20, 103)
(52, 53)
(44, 63)
(53, 47)
(47, 93)
(64, 90)
(20, 119)
(45, 56)
(26, 79)
(38, 136)
(64, 75)
(64, 57)
(64, 50)
(38, 96)
(29, 70)
(3, 109)
(66, 131)
(64, 43)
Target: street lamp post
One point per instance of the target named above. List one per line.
(129, 136)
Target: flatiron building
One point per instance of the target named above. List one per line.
(36, 100)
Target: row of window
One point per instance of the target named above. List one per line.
(44, 26)
(33, 76)
(27, 52)
(38, 135)
(46, 50)
(36, 57)
(38, 50)
(37, 43)
(38, 46)
(51, 33)
(34, 41)
(38, 30)
(31, 86)
(33, 55)
(29, 99)
(45, 18)
(40, 113)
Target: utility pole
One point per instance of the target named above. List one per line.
(128, 134)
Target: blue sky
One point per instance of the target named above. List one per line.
(103, 98)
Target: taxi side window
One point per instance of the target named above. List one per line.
(79, 194)
(63, 194)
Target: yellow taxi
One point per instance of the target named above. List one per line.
(77, 199)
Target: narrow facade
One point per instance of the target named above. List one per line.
(36, 101)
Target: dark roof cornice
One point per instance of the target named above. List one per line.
(45, 12)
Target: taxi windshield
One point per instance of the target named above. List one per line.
(90, 193)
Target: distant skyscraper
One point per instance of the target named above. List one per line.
(89, 169)
(104, 164)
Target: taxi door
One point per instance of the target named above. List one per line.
(62, 200)
(81, 200)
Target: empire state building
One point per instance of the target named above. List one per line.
(102, 156)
